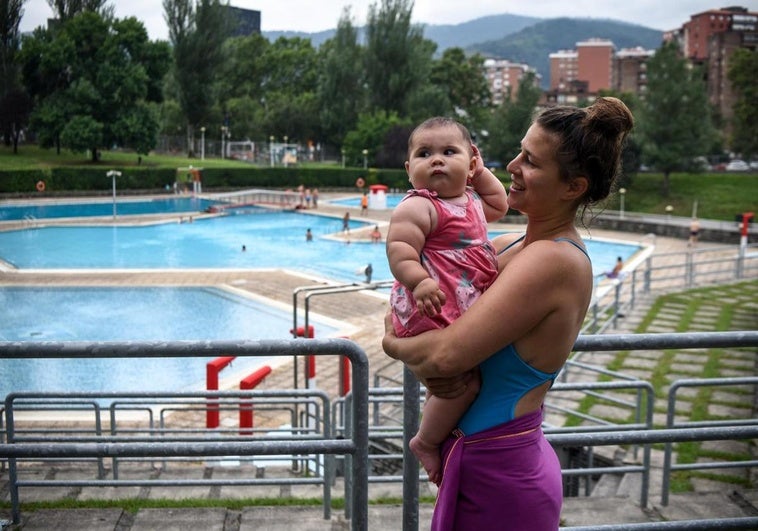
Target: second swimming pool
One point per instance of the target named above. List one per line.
(132, 314)
(270, 240)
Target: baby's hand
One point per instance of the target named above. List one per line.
(429, 297)
(479, 163)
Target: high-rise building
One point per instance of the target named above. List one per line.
(630, 69)
(504, 78)
(697, 32)
(564, 69)
(595, 63)
(244, 21)
(593, 66)
(709, 39)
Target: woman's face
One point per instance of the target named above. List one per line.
(535, 175)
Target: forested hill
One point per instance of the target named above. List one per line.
(446, 36)
(533, 45)
(517, 38)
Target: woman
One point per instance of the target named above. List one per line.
(499, 471)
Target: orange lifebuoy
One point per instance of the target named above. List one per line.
(360, 183)
(40, 186)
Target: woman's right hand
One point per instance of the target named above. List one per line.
(452, 387)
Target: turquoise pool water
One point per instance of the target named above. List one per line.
(271, 240)
(130, 207)
(131, 314)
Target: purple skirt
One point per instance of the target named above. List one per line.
(506, 478)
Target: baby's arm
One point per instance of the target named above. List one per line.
(412, 220)
(490, 189)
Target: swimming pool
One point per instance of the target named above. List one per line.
(272, 239)
(124, 207)
(132, 314)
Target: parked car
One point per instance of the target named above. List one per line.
(737, 165)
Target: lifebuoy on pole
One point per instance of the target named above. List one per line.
(360, 183)
(40, 186)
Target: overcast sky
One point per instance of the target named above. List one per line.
(318, 15)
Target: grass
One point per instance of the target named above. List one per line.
(32, 157)
(719, 196)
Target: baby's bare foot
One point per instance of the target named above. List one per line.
(429, 456)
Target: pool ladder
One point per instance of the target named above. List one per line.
(30, 221)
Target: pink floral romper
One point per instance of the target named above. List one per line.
(458, 255)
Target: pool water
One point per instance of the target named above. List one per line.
(131, 314)
(271, 240)
(129, 207)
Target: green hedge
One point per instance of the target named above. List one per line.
(73, 179)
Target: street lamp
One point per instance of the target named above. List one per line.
(271, 149)
(113, 174)
(365, 160)
(622, 193)
(225, 134)
(202, 143)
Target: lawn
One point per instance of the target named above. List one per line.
(719, 195)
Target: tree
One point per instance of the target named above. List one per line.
(89, 79)
(397, 60)
(68, 9)
(340, 92)
(289, 88)
(743, 71)
(197, 35)
(14, 102)
(371, 134)
(675, 119)
(464, 84)
(510, 121)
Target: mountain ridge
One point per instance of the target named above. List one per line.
(517, 38)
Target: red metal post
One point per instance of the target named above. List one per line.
(212, 368)
(246, 408)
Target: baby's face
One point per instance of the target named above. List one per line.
(440, 160)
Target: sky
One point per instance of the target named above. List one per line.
(318, 15)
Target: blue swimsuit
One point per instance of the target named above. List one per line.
(505, 379)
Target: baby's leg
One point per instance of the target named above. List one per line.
(441, 415)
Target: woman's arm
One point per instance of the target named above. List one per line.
(537, 284)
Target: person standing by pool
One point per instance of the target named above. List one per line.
(500, 472)
(694, 232)
(346, 222)
(364, 203)
(440, 253)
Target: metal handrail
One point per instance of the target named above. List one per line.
(592, 343)
(355, 446)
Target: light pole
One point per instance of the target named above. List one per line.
(343, 157)
(285, 155)
(622, 193)
(271, 149)
(113, 174)
(365, 159)
(224, 134)
(202, 143)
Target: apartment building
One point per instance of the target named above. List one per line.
(504, 78)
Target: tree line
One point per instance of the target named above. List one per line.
(91, 81)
